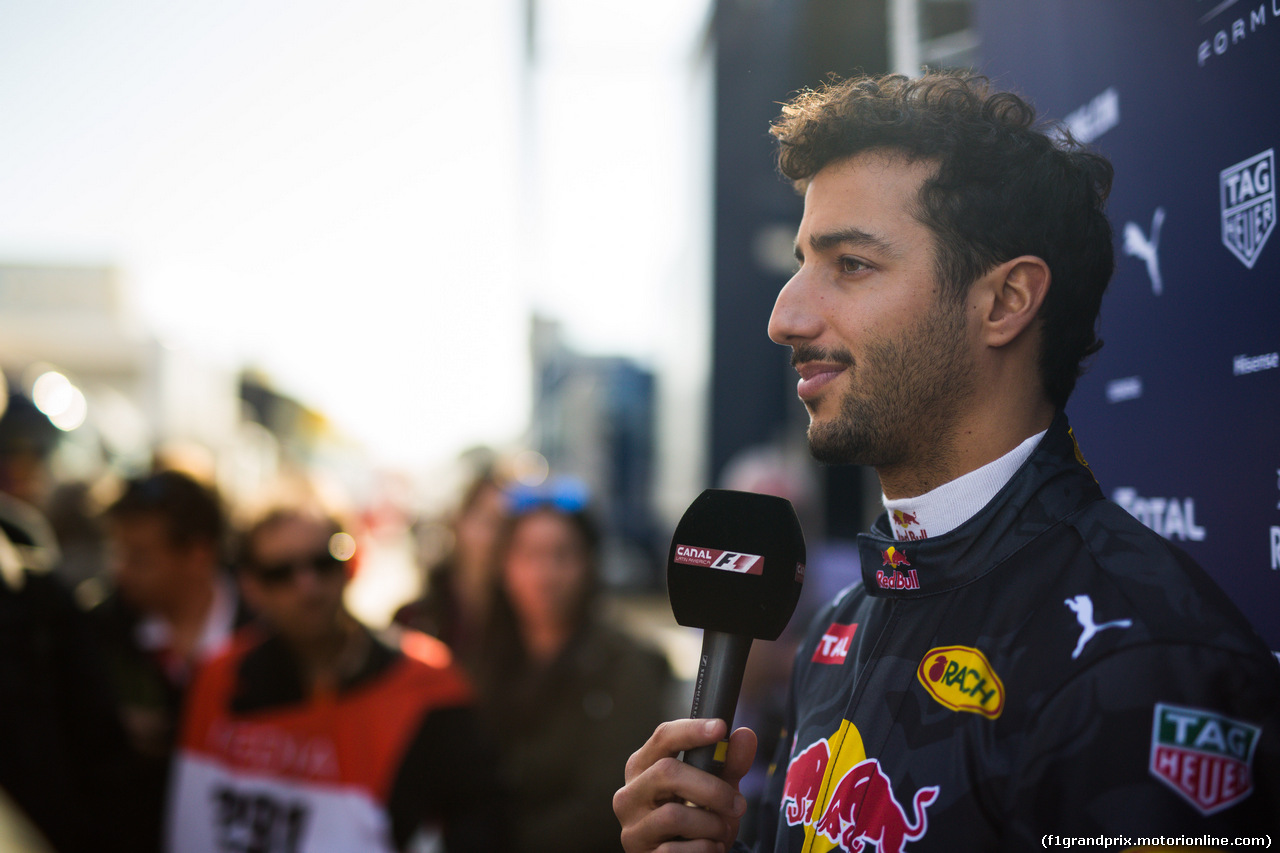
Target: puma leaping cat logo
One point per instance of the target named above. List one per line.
(1083, 606)
(1137, 245)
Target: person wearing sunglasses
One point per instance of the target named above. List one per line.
(567, 693)
(314, 734)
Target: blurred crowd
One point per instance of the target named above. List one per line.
(181, 674)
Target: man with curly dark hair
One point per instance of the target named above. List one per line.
(1021, 659)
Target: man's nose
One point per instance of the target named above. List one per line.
(792, 319)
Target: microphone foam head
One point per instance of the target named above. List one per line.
(736, 564)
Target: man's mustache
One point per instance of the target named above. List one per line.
(808, 352)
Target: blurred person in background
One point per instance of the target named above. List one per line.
(567, 694)
(76, 517)
(65, 769)
(459, 586)
(311, 733)
(28, 440)
(28, 444)
(173, 606)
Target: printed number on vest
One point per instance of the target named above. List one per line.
(258, 823)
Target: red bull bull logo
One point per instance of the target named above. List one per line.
(805, 775)
(894, 558)
(906, 521)
(858, 808)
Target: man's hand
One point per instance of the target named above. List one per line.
(653, 805)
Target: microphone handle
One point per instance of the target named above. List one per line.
(715, 695)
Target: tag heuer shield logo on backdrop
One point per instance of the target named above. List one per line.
(1248, 193)
(1206, 757)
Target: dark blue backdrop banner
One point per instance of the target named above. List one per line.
(1179, 415)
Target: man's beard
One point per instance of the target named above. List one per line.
(902, 396)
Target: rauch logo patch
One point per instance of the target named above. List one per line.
(1205, 757)
(962, 679)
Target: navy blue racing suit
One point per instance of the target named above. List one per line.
(1050, 667)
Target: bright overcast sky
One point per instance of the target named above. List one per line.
(338, 192)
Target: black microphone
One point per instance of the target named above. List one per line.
(735, 569)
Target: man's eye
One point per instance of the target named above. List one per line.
(851, 265)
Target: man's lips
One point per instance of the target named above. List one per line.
(815, 375)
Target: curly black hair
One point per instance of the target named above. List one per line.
(1005, 186)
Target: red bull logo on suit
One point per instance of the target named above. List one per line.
(845, 800)
(893, 558)
(906, 521)
(898, 580)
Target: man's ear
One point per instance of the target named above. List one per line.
(1010, 298)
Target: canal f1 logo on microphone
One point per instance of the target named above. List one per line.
(725, 561)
